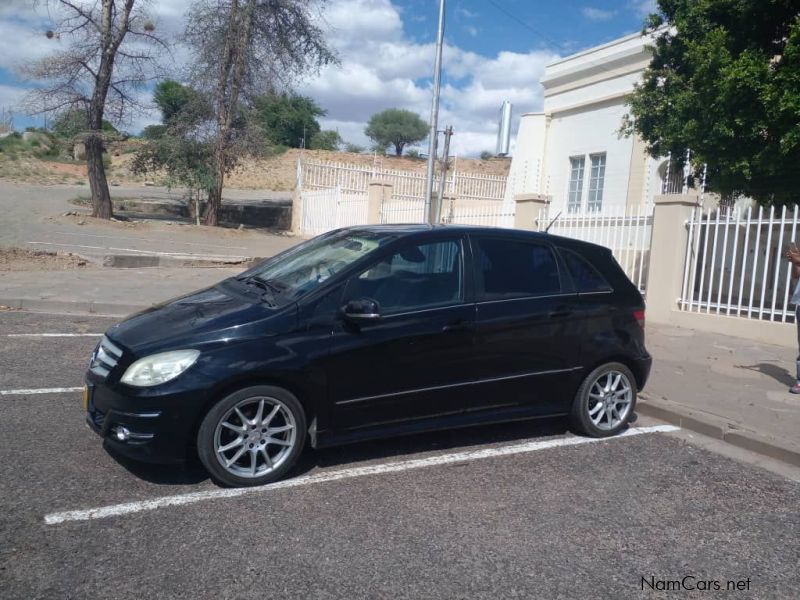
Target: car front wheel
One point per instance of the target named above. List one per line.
(605, 401)
(252, 437)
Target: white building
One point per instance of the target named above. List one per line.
(573, 152)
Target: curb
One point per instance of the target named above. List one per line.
(138, 261)
(720, 430)
(76, 307)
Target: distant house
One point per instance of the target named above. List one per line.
(572, 151)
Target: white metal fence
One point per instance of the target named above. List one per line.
(335, 195)
(625, 231)
(734, 263)
(328, 209)
(407, 185)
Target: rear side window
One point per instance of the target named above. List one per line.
(515, 269)
(586, 278)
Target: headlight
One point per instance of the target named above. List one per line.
(159, 368)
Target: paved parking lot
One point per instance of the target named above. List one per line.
(523, 510)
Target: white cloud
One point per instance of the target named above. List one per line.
(597, 14)
(381, 67)
(643, 7)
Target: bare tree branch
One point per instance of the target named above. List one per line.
(107, 53)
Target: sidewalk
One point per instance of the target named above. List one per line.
(726, 387)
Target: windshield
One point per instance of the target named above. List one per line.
(287, 277)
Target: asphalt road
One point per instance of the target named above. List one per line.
(588, 520)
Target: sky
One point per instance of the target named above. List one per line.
(495, 50)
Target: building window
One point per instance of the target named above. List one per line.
(577, 166)
(596, 181)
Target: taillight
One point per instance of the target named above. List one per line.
(639, 316)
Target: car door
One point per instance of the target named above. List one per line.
(402, 365)
(527, 344)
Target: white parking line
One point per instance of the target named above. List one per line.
(51, 335)
(115, 510)
(40, 391)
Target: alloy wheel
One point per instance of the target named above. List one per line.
(610, 400)
(255, 437)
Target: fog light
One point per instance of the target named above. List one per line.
(121, 433)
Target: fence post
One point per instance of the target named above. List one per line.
(528, 208)
(667, 254)
(297, 211)
(378, 193)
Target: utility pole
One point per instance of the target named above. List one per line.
(430, 213)
(448, 133)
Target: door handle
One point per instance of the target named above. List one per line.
(459, 326)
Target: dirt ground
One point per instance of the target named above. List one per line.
(20, 259)
(277, 173)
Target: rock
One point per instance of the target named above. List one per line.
(115, 183)
(149, 183)
(81, 222)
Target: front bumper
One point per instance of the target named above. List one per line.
(161, 423)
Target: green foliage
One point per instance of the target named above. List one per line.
(354, 148)
(396, 127)
(286, 118)
(486, 155)
(413, 153)
(326, 140)
(75, 121)
(172, 98)
(153, 132)
(725, 82)
(178, 147)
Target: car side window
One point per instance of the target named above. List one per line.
(415, 277)
(586, 278)
(509, 268)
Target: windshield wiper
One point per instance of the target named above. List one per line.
(270, 284)
(270, 290)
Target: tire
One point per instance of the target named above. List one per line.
(617, 404)
(263, 423)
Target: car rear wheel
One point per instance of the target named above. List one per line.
(252, 437)
(605, 401)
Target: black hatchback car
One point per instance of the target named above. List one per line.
(369, 332)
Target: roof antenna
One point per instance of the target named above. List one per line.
(547, 229)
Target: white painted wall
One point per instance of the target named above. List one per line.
(525, 175)
(583, 111)
(583, 132)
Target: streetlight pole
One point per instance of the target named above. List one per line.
(437, 82)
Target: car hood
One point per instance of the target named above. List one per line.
(202, 318)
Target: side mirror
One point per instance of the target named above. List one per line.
(363, 309)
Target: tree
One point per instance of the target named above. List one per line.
(181, 146)
(288, 119)
(74, 121)
(354, 148)
(242, 48)
(326, 140)
(396, 127)
(106, 52)
(725, 82)
(171, 98)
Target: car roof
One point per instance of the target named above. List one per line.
(410, 229)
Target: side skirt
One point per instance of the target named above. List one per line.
(327, 439)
